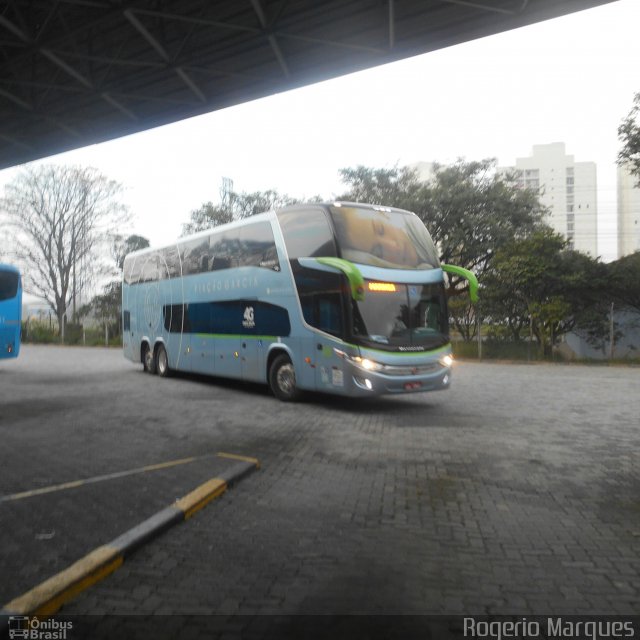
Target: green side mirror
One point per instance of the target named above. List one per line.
(467, 275)
(356, 281)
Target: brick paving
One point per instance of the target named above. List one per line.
(517, 491)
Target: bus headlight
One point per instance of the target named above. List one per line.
(446, 361)
(363, 363)
(367, 364)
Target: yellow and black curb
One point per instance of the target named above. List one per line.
(50, 595)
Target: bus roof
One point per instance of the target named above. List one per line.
(203, 234)
(267, 215)
(9, 267)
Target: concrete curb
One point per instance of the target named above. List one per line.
(50, 595)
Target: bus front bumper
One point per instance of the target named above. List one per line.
(371, 383)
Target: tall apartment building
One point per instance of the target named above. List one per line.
(628, 213)
(567, 188)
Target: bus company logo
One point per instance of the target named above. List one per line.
(36, 629)
(410, 348)
(228, 284)
(248, 318)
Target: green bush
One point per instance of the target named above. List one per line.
(39, 332)
(499, 350)
(94, 337)
(73, 333)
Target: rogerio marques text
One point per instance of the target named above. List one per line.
(549, 627)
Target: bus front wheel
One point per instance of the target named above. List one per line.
(162, 362)
(282, 379)
(148, 361)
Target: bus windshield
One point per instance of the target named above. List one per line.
(8, 285)
(383, 237)
(405, 317)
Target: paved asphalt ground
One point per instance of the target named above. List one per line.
(517, 491)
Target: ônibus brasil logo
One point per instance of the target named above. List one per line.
(32, 628)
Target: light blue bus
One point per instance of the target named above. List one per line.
(10, 311)
(340, 297)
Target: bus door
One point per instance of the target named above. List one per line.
(329, 367)
(328, 317)
(322, 298)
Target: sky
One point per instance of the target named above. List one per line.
(568, 80)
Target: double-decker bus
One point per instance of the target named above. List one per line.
(341, 297)
(10, 311)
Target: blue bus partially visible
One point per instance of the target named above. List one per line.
(336, 297)
(10, 311)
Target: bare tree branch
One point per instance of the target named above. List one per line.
(59, 216)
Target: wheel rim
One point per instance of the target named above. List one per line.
(162, 361)
(148, 359)
(286, 379)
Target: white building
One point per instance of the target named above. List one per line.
(567, 188)
(628, 213)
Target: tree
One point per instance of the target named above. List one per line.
(629, 135)
(59, 215)
(207, 217)
(238, 206)
(537, 281)
(108, 304)
(624, 275)
(397, 187)
(121, 247)
(595, 326)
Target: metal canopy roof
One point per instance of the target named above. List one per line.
(77, 72)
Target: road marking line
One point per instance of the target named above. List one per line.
(233, 456)
(108, 476)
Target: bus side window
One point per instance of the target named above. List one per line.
(131, 270)
(169, 263)
(221, 250)
(176, 319)
(321, 299)
(192, 254)
(126, 321)
(258, 247)
(329, 313)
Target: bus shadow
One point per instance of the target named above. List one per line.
(328, 402)
(387, 404)
(223, 383)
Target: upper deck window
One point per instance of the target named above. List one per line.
(307, 233)
(384, 238)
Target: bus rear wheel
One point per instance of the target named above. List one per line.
(162, 362)
(148, 361)
(282, 379)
